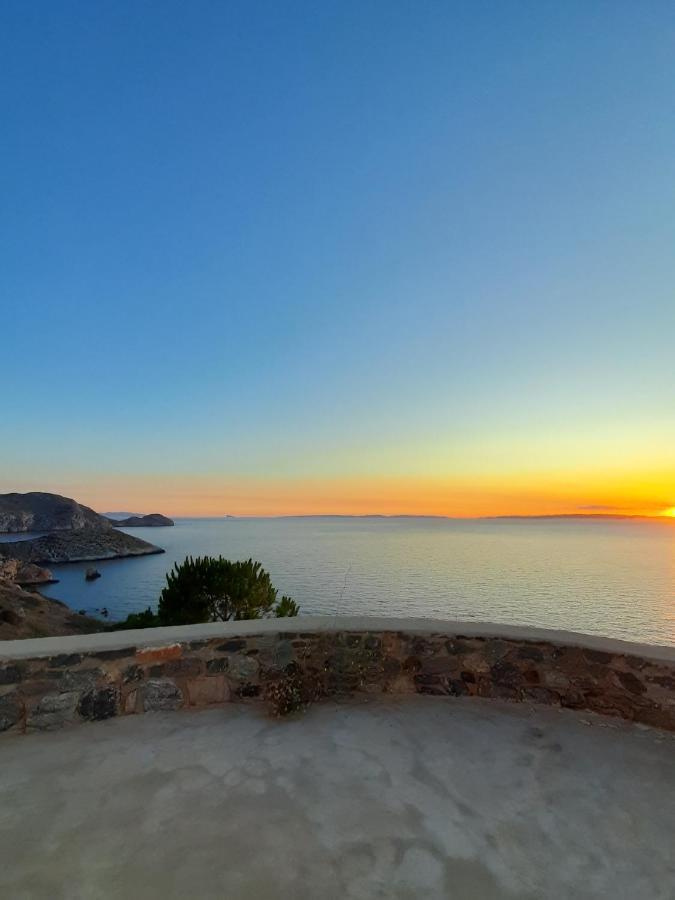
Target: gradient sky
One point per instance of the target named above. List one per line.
(381, 257)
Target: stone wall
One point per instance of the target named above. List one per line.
(96, 677)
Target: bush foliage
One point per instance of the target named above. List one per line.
(209, 589)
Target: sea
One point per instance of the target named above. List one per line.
(611, 577)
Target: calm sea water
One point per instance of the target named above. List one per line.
(604, 576)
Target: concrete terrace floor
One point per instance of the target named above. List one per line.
(420, 797)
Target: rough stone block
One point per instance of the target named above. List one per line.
(249, 690)
(476, 662)
(440, 665)
(99, 704)
(65, 659)
(597, 656)
(243, 668)
(207, 691)
(400, 684)
(611, 704)
(11, 711)
(284, 653)
(132, 673)
(216, 666)
(391, 667)
(422, 647)
(459, 646)
(656, 717)
(109, 655)
(147, 655)
(541, 695)
(160, 694)
(391, 646)
(231, 646)
(496, 650)
(54, 711)
(80, 680)
(175, 667)
(630, 682)
(505, 674)
(664, 681)
(554, 679)
(530, 651)
(10, 674)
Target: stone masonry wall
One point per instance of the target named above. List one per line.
(44, 693)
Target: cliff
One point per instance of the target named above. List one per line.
(152, 520)
(38, 511)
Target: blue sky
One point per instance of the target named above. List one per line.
(281, 241)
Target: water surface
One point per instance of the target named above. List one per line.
(602, 576)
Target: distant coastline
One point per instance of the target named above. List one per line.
(533, 517)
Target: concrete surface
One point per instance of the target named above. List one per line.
(421, 797)
(153, 637)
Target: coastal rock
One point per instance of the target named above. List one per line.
(152, 520)
(40, 511)
(25, 614)
(92, 574)
(24, 573)
(81, 545)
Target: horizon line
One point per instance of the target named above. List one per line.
(658, 517)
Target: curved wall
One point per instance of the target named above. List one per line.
(51, 682)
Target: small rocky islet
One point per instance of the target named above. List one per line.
(75, 533)
(152, 520)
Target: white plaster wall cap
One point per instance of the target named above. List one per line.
(152, 638)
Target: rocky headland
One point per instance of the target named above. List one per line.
(78, 546)
(76, 532)
(39, 511)
(152, 520)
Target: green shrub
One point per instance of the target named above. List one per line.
(286, 608)
(207, 589)
(145, 619)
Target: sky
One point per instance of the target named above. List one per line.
(356, 257)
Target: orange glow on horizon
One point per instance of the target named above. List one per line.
(554, 494)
